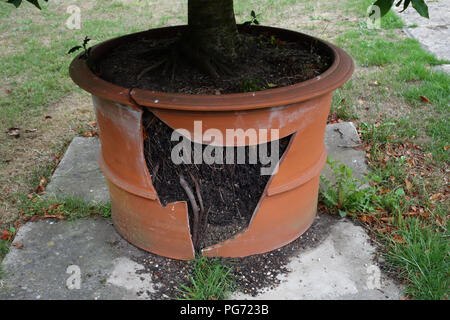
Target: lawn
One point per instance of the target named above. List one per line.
(399, 104)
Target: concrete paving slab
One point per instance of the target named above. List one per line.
(87, 259)
(442, 68)
(56, 254)
(340, 141)
(433, 33)
(342, 267)
(78, 174)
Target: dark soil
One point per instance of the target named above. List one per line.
(264, 62)
(252, 274)
(229, 192)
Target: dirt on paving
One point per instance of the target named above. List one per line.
(251, 274)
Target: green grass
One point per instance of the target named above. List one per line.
(346, 196)
(69, 208)
(439, 132)
(406, 68)
(403, 66)
(2, 272)
(37, 71)
(4, 248)
(343, 102)
(423, 260)
(211, 279)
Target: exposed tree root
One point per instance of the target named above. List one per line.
(195, 209)
(167, 59)
(151, 68)
(198, 192)
(199, 216)
(155, 171)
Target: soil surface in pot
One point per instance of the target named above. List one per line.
(229, 192)
(264, 62)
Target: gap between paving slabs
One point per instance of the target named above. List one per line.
(332, 260)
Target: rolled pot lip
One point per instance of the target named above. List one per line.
(335, 76)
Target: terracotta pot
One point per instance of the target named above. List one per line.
(289, 203)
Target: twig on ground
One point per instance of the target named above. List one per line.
(350, 146)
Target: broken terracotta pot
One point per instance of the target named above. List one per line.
(289, 203)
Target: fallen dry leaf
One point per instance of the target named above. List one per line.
(439, 221)
(5, 234)
(42, 185)
(90, 133)
(384, 230)
(435, 196)
(18, 245)
(383, 190)
(368, 219)
(398, 239)
(13, 132)
(424, 99)
(408, 184)
(53, 216)
(53, 207)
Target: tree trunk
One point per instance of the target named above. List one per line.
(212, 27)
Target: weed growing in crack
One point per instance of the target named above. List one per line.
(63, 209)
(211, 279)
(347, 195)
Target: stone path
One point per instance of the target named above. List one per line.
(87, 259)
(340, 268)
(433, 33)
(78, 174)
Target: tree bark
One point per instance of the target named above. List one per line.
(212, 27)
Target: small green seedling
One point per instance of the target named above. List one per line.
(253, 19)
(251, 85)
(87, 51)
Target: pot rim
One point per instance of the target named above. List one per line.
(335, 76)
